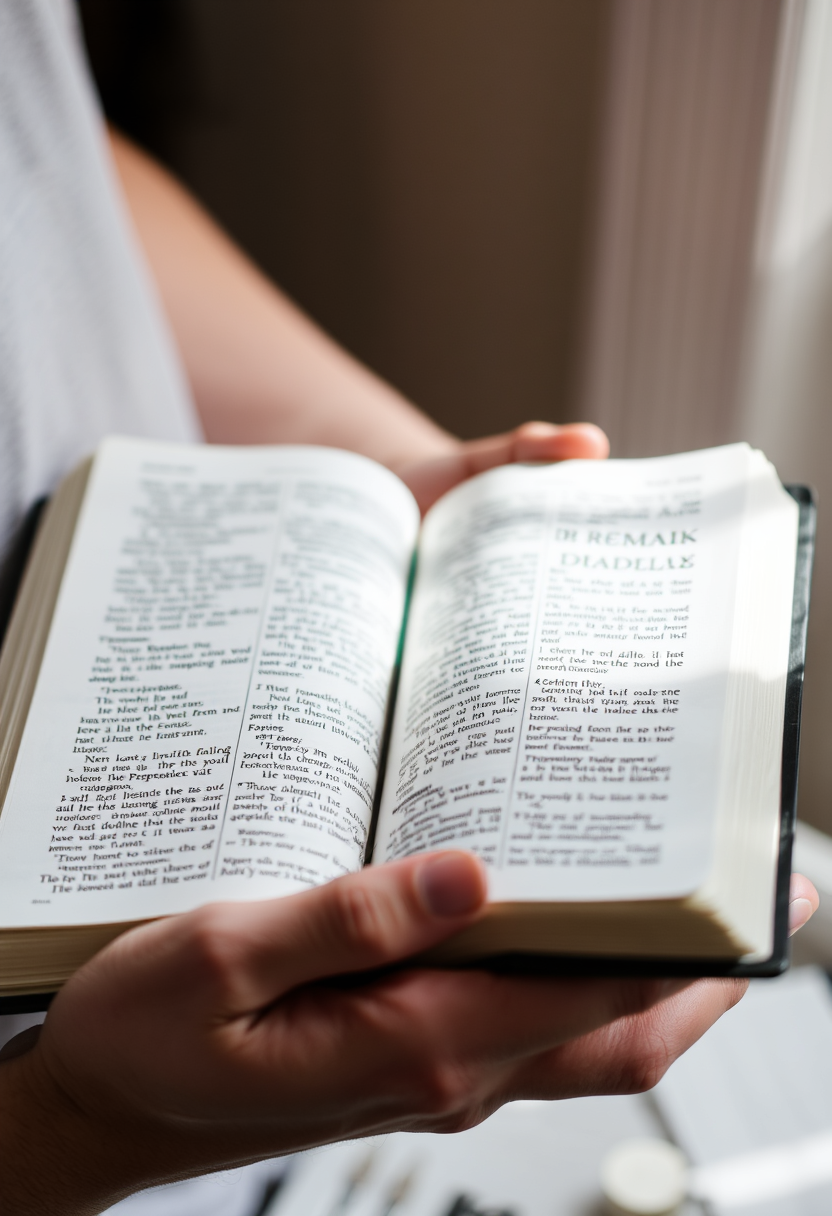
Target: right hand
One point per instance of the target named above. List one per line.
(208, 1040)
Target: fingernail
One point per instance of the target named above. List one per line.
(799, 912)
(451, 885)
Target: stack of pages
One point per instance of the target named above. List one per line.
(599, 690)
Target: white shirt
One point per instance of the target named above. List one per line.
(84, 350)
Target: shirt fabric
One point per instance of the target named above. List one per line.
(84, 351)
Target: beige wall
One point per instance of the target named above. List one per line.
(684, 151)
(788, 381)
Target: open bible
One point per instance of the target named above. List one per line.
(207, 691)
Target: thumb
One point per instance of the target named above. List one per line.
(381, 915)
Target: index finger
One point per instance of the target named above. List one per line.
(632, 1054)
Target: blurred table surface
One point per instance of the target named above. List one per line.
(529, 1159)
(761, 1078)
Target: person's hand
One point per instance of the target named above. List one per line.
(223, 1036)
(803, 902)
(429, 478)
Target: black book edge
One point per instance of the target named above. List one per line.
(11, 574)
(576, 965)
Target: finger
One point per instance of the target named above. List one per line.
(534, 441)
(632, 1054)
(575, 441)
(437, 1031)
(476, 1015)
(454, 1071)
(431, 1049)
(256, 952)
(804, 902)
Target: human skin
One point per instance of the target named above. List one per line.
(220, 1037)
(217, 1038)
(262, 372)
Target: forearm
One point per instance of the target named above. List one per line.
(259, 369)
(60, 1158)
(47, 1162)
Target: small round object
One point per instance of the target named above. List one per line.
(644, 1178)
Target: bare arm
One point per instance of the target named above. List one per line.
(263, 372)
(260, 370)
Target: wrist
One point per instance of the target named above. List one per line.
(51, 1157)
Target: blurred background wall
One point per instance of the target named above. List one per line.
(418, 175)
(614, 209)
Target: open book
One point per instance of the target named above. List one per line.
(196, 696)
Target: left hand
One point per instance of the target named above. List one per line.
(429, 478)
(804, 902)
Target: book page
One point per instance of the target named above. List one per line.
(209, 711)
(563, 685)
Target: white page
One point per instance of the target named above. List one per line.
(207, 717)
(563, 684)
